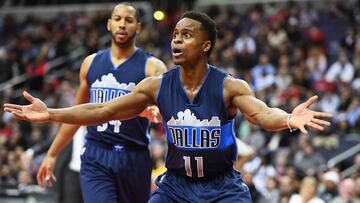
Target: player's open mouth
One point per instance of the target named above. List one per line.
(177, 52)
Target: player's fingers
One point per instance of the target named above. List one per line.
(311, 100)
(323, 114)
(28, 97)
(315, 126)
(303, 130)
(13, 106)
(19, 116)
(40, 177)
(320, 122)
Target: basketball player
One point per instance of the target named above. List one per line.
(116, 166)
(198, 103)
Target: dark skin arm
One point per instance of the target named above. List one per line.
(122, 108)
(238, 95)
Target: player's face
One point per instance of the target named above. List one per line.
(123, 25)
(188, 42)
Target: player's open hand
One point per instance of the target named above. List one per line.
(303, 116)
(36, 111)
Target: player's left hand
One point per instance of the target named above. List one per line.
(302, 116)
(152, 113)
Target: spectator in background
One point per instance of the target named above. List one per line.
(306, 159)
(316, 63)
(329, 102)
(307, 192)
(157, 151)
(287, 186)
(276, 36)
(272, 194)
(346, 189)
(357, 188)
(342, 71)
(245, 48)
(262, 169)
(263, 74)
(348, 41)
(330, 180)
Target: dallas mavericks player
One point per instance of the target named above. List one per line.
(116, 166)
(198, 103)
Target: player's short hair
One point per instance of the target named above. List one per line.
(137, 12)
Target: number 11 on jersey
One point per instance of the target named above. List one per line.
(199, 166)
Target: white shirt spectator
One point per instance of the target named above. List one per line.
(296, 198)
(329, 103)
(345, 72)
(245, 44)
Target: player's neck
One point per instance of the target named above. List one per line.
(118, 52)
(193, 75)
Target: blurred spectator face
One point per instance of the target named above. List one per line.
(271, 184)
(264, 59)
(291, 171)
(36, 135)
(347, 189)
(244, 35)
(357, 161)
(283, 60)
(308, 188)
(123, 25)
(331, 179)
(308, 149)
(24, 178)
(343, 58)
(298, 54)
(281, 159)
(357, 187)
(286, 185)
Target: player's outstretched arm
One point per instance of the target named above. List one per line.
(273, 119)
(124, 107)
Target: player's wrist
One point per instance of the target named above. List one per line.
(288, 123)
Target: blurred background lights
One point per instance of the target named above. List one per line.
(159, 15)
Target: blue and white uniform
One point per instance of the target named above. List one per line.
(116, 165)
(201, 142)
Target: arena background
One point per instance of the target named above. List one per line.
(286, 50)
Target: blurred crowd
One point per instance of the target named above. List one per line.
(287, 52)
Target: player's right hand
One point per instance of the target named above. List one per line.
(45, 176)
(36, 111)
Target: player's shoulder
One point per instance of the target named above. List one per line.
(236, 85)
(155, 66)
(90, 58)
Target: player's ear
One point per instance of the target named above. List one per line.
(108, 24)
(207, 46)
(138, 27)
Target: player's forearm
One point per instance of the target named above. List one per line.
(63, 137)
(273, 119)
(84, 114)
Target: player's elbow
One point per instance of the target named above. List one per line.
(106, 113)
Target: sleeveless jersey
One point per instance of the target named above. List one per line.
(107, 82)
(201, 139)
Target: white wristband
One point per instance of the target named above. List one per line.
(288, 123)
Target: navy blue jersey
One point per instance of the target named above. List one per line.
(200, 133)
(107, 82)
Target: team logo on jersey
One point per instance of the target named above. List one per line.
(187, 131)
(108, 88)
(105, 90)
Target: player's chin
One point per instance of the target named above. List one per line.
(178, 61)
